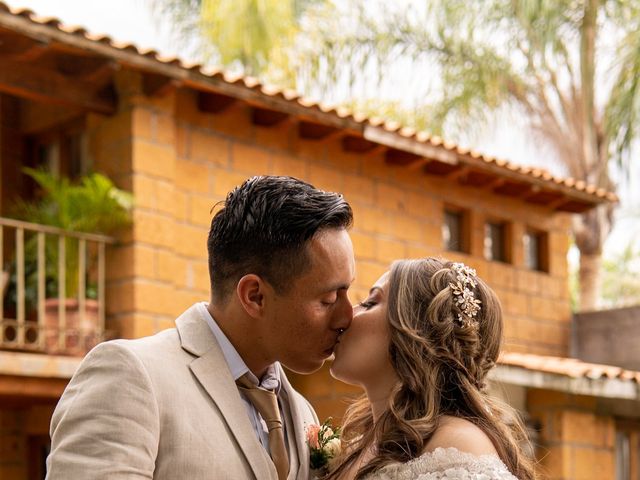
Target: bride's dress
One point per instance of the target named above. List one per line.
(446, 464)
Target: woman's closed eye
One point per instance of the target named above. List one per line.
(367, 304)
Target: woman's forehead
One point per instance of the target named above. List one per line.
(382, 283)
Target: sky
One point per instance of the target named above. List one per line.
(133, 21)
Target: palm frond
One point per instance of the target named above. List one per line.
(622, 112)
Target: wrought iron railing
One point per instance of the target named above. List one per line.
(42, 267)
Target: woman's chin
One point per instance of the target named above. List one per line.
(335, 370)
(342, 376)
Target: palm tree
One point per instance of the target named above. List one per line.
(251, 36)
(572, 67)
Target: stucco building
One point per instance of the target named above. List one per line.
(179, 137)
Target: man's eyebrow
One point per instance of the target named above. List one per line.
(340, 286)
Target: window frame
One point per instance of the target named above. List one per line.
(507, 244)
(631, 430)
(543, 260)
(465, 228)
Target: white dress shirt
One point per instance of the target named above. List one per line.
(270, 380)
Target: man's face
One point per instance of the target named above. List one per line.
(304, 323)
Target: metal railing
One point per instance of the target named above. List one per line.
(36, 258)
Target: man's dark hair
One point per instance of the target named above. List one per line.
(263, 228)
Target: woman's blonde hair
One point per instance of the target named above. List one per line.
(442, 356)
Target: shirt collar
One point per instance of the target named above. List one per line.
(270, 380)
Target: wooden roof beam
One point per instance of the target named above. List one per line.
(574, 206)
(514, 189)
(214, 102)
(316, 131)
(559, 203)
(403, 159)
(495, 184)
(102, 74)
(43, 85)
(458, 174)
(158, 85)
(420, 149)
(22, 51)
(356, 144)
(263, 117)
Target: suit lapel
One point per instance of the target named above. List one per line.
(212, 372)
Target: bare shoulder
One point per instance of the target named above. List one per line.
(463, 435)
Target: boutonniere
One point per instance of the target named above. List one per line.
(324, 445)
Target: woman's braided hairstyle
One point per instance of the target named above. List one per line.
(441, 348)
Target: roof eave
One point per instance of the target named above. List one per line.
(603, 387)
(574, 199)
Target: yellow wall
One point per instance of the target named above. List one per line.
(179, 162)
(576, 442)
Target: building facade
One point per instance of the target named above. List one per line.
(180, 137)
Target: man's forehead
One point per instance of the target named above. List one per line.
(332, 264)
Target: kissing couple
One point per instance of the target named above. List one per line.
(209, 399)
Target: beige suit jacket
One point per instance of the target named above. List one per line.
(166, 407)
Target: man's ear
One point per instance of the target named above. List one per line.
(251, 293)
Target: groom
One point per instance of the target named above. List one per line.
(187, 403)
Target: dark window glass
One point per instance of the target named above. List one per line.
(452, 231)
(495, 242)
(536, 250)
(532, 255)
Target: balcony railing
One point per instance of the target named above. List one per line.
(42, 267)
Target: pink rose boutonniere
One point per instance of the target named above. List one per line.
(324, 444)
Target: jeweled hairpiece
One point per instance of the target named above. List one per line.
(464, 297)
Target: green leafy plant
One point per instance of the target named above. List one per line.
(91, 205)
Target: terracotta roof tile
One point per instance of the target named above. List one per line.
(569, 367)
(270, 91)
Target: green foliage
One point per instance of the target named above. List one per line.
(621, 278)
(93, 205)
(572, 68)
(249, 35)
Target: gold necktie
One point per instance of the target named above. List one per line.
(266, 402)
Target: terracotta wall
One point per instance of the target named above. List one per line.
(179, 162)
(576, 443)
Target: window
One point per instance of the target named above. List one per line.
(62, 150)
(455, 230)
(536, 256)
(623, 456)
(496, 241)
(627, 450)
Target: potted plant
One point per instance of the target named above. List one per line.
(93, 204)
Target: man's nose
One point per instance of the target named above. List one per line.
(343, 315)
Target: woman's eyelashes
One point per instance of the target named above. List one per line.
(367, 304)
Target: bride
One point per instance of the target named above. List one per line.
(421, 346)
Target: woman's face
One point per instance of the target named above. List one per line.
(362, 352)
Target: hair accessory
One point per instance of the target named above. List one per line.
(464, 297)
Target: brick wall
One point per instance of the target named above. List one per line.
(397, 212)
(180, 161)
(575, 442)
